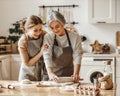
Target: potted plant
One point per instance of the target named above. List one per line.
(15, 33)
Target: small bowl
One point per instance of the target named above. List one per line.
(65, 79)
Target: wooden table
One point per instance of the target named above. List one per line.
(44, 91)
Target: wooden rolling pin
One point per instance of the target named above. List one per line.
(8, 86)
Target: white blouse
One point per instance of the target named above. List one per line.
(75, 40)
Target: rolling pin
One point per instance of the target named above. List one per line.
(8, 86)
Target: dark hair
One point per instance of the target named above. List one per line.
(30, 22)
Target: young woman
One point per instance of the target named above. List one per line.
(63, 57)
(31, 50)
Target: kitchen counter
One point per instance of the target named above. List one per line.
(84, 55)
(45, 91)
(4, 56)
(102, 55)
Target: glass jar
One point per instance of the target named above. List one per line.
(108, 68)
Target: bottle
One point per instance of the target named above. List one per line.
(95, 83)
(108, 68)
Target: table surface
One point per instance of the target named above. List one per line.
(33, 90)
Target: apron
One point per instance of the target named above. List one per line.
(34, 72)
(62, 59)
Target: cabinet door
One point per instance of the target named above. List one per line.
(15, 66)
(118, 87)
(101, 11)
(118, 67)
(0, 70)
(118, 11)
(5, 69)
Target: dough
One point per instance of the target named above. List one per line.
(26, 81)
(67, 88)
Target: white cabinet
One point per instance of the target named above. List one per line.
(118, 87)
(118, 11)
(117, 67)
(9, 66)
(15, 66)
(101, 11)
(118, 75)
(5, 73)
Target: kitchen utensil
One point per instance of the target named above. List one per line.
(65, 79)
(8, 86)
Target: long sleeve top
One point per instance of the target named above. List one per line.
(75, 40)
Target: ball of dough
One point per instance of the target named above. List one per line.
(26, 81)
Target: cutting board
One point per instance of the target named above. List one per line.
(117, 38)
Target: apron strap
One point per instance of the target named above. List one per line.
(56, 43)
(55, 40)
(68, 37)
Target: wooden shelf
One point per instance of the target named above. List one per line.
(5, 48)
(5, 45)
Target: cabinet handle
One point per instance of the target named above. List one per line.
(101, 22)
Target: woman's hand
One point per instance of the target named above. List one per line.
(44, 48)
(76, 78)
(53, 77)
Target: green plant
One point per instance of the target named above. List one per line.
(15, 32)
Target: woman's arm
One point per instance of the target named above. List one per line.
(48, 39)
(51, 74)
(77, 56)
(76, 75)
(22, 47)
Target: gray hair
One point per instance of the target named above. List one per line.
(55, 15)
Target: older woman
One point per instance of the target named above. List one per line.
(63, 57)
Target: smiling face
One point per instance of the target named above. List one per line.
(35, 31)
(57, 28)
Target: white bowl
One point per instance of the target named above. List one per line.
(65, 79)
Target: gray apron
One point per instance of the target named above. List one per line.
(34, 72)
(62, 58)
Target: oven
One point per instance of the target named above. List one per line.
(93, 66)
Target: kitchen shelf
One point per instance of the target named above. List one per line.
(5, 46)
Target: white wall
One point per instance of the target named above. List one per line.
(13, 10)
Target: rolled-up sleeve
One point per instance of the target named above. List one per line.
(47, 55)
(77, 51)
